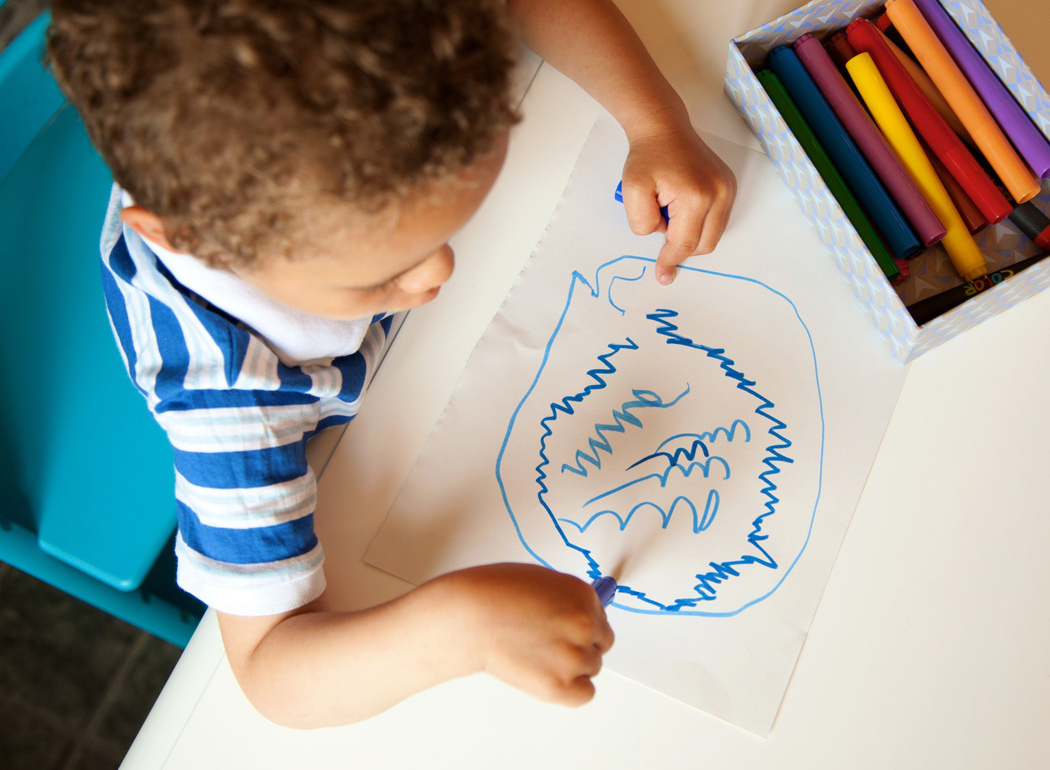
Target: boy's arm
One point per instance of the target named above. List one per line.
(668, 164)
(539, 630)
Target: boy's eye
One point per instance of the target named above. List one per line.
(374, 288)
(384, 286)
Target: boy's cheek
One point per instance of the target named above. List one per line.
(411, 301)
(341, 310)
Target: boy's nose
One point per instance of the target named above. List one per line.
(430, 273)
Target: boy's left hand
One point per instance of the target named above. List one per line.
(677, 170)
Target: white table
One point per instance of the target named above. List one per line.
(929, 647)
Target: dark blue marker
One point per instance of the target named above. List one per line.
(605, 587)
(844, 154)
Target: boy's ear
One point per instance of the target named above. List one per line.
(147, 224)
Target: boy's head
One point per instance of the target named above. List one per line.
(249, 128)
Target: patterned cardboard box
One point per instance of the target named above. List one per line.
(1002, 245)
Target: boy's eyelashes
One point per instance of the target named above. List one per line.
(392, 281)
(377, 287)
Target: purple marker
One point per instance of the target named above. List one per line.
(898, 183)
(1028, 139)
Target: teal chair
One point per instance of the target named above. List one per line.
(85, 472)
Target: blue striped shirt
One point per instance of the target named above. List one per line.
(238, 420)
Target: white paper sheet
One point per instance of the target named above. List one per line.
(706, 443)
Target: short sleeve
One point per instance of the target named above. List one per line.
(245, 499)
(238, 420)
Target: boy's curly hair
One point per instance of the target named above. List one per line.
(221, 116)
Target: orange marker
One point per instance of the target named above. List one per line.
(965, 102)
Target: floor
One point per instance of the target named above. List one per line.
(15, 14)
(75, 683)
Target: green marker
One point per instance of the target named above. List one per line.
(831, 176)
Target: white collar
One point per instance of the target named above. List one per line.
(296, 337)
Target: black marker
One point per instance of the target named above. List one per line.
(930, 308)
(1032, 222)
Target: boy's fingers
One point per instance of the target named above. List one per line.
(578, 693)
(605, 639)
(692, 231)
(714, 227)
(717, 218)
(589, 662)
(643, 211)
(554, 689)
(684, 231)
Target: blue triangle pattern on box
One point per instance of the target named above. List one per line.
(988, 37)
(815, 18)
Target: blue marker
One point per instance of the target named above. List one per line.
(844, 153)
(619, 197)
(605, 587)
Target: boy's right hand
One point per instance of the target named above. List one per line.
(541, 631)
(538, 630)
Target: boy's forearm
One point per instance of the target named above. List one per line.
(539, 630)
(672, 181)
(318, 668)
(592, 42)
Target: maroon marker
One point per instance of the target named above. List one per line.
(869, 140)
(840, 50)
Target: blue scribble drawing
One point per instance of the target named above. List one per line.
(670, 431)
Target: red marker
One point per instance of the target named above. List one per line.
(865, 38)
(971, 215)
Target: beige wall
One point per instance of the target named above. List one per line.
(1027, 25)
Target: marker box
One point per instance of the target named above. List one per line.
(1001, 244)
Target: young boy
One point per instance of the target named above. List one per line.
(290, 173)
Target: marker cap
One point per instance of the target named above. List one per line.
(605, 587)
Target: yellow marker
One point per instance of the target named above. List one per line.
(961, 247)
(964, 101)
